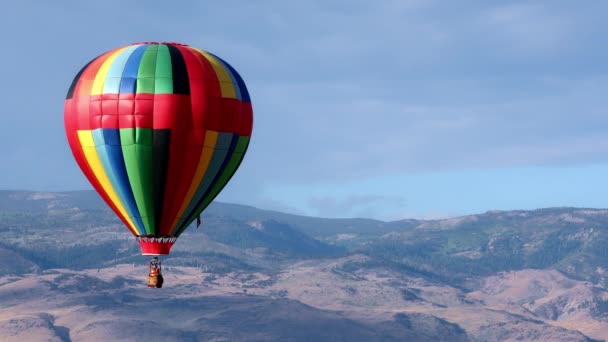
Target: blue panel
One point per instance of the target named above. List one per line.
(111, 136)
(129, 74)
(128, 85)
(110, 154)
(112, 82)
(111, 85)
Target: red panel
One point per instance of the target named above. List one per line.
(95, 106)
(213, 113)
(144, 105)
(246, 122)
(80, 113)
(199, 102)
(109, 107)
(95, 121)
(196, 137)
(142, 121)
(144, 96)
(109, 121)
(166, 110)
(126, 96)
(230, 115)
(126, 107)
(126, 121)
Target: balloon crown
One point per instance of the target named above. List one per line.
(161, 43)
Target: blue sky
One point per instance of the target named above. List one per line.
(383, 109)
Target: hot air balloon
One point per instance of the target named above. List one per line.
(158, 129)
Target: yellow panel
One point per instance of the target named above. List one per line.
(100, 78)
(201, 168)
(90, 152)
(85, 87)
(226, 85)
(86, 139)
(211, 139)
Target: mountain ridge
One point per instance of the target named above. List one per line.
(499, 275)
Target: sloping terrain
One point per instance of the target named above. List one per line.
(91, 306)
(69, 271)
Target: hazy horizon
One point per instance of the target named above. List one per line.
(253, 205)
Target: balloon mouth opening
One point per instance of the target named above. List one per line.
(151, 245)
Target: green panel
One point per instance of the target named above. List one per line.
(127, 136)
(147, 71)
(241, 145)
(138, 161)
(164, 72)
(144, 136)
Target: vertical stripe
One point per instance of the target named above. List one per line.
(161, 139)
(147, 71)
(114, 75)
(100, 78)
(181, 83)
(107, 142)
(244, 93)
(137, 151)
(128, 82)
(163, 81)
(90, 152)
(233, 79)
(201, 170)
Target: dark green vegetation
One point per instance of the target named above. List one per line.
(76, 230)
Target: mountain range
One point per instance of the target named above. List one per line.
(69, 271)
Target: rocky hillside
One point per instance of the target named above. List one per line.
(250, 274)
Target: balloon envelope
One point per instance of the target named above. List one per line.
(158, 129)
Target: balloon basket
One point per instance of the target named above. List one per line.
(155, 281)
(155, 277)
